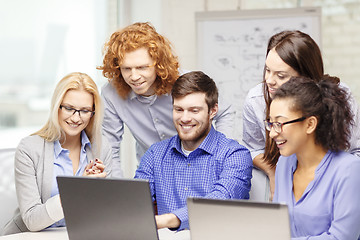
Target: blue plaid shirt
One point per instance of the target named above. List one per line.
(219, 168)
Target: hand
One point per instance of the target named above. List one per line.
(168, 220)
(95, 169)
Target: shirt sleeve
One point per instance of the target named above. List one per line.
(224, 119)
(235, 179)
(145, 171)
(182, 215)
(253, 133)
(106, 156)
(113, 129)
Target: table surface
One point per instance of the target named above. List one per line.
(61, 234)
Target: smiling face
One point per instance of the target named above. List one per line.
(277, 72)
(192, 119)
(73, 124)
(293, 136)
(139, 72)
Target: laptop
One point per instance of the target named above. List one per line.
(237, 219)
(101, 208)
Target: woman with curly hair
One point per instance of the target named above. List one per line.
(141, 68)
(310, 124)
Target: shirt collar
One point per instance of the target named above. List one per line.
(57, 148)
(133, 95)
(208, 145)
(324, 162)
(142, 99)
(84, 142)
(322, 165)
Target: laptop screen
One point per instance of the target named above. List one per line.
(100, 208)
(237, 219)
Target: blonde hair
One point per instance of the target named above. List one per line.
(131, 38)
(52, 131)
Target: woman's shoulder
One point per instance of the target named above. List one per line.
(344, 160)
(256, 91)
(30, 147)
(255, 98)
(32, 140)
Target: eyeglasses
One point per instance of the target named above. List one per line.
(278, 126)
(139, 69)
(83, 113)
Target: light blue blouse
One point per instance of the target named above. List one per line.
(63, 166)
(330, 206)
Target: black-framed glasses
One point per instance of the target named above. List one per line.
(83, 113)
(278, 126)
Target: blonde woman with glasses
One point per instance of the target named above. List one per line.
(70, 144)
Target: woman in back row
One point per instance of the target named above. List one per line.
(310, 124)
(289, 53)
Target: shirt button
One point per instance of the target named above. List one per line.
(156, 120)
(186, 188)
(162, 136)
(189, 164)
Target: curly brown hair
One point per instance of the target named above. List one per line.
(325, 100)
(133, 37)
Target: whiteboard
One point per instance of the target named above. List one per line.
(231, 46)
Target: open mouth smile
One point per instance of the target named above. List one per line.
(280, 143)
(187, 127)
(73, 125)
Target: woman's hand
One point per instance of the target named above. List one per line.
(95, 169)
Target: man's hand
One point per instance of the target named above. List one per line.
(168, 220)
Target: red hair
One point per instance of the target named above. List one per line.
(133, 37)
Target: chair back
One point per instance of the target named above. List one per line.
(8, 197)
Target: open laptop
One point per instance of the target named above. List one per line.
(237, 219)
(100, 208)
